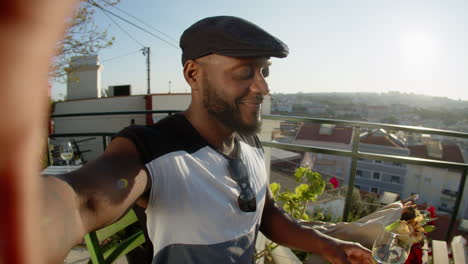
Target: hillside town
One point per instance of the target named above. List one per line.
(392, 107)
(435, 186)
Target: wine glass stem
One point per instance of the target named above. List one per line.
(68, 165)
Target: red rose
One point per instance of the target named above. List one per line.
(432, 211)
(334, 182)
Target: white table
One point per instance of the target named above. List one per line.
(56, 170)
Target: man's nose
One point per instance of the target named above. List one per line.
(260, 86)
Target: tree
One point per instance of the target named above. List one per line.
(83, 36)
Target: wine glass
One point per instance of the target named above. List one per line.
(392, 247)
(66, 152)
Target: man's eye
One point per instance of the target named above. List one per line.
(265, 72)
(245, 74)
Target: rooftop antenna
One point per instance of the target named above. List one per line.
(146, 51)
(169, 87)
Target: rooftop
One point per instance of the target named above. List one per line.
(381, 137)
(318, 132)
(450, 152)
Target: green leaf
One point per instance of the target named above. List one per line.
(302, 189)
(429, 228)
(300, 172)
(392, 226)
(275, 189)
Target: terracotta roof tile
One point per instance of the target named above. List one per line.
(339, 134)
(450, 152)
(379, 140)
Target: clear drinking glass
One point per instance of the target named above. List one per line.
(66, 152)
(392, 247)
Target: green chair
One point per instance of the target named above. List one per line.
(107, 254)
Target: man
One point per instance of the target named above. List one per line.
(201, 173)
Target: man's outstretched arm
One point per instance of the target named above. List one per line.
(29, 32)
(90, 198)
(284, 230)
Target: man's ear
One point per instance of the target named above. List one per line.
(192, 73)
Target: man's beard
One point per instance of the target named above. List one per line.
(229, 114)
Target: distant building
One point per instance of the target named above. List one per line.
(372, 176)
(326, 136)
(381, 176)
(282, 107)
(436, 186)
(377, 112)
(281, 104)
(399, 109)
(316, 109)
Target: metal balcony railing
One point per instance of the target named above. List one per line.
(449, 192)
(354, 153)
(445, 209)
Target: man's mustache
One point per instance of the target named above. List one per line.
(258, 99)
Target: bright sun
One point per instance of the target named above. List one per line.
(418, 48)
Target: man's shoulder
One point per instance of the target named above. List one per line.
(173, 133)
(163, 126)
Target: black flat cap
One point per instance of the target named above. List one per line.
(229, 36)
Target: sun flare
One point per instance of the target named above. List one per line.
(418, 48)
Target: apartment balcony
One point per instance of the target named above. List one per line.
(449, 193)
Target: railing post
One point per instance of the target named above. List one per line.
(457, 205)
(104, 143)
(352, 175)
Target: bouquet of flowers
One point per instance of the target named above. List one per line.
(416, 225)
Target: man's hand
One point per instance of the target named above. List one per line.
(282, 229)
(343, 252)
(29, 32)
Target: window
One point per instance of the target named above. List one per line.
(357, 186)
(395, 179)
(377, 161)
(376, 175)
(397, 164)
(359, 173)
(374, 189)
(326, 129)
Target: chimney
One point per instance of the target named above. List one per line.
(434, 149)
(84, 78)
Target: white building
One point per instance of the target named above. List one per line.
(436, 186)
(381, 176)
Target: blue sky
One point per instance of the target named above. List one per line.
(416, 46)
